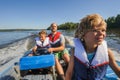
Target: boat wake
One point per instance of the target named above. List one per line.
(15, 49)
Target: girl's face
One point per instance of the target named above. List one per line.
(42, 37)
(95, 36)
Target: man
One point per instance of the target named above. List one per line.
(57, 42)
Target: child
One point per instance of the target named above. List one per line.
(42, 44)
(90, 55)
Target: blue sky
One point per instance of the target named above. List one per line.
(39, 14)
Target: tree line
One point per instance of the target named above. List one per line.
(112, 23)
(67, 26)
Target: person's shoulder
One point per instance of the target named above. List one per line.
(62, 37)
(49, 34)
(60, 33)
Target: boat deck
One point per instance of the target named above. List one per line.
(7, 71)
(11, 75)
(38, 77)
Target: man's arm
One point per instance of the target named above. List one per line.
(61, 47)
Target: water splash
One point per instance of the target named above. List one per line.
(15, 49)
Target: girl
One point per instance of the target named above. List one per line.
(90, 55)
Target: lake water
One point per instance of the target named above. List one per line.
(12, 36)
(9, 37)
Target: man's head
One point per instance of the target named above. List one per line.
(53, 27)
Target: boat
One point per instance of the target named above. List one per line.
(17, 70)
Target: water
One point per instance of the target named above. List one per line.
(12, 36)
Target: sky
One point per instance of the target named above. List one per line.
(39, 14)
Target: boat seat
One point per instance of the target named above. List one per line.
(36, 62)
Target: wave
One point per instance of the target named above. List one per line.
(13, 50)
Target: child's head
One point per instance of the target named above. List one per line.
(42, 35)
(91, 23)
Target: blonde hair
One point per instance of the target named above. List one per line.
(87, 23)
(43, 32)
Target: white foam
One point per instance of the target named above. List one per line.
(114, 44)
(12, 51)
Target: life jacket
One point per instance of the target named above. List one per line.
(83, 69)
(55, 40)
(45, 44)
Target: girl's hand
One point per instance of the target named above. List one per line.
(30, 54)
(50, 50)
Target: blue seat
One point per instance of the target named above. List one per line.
(36, 62)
